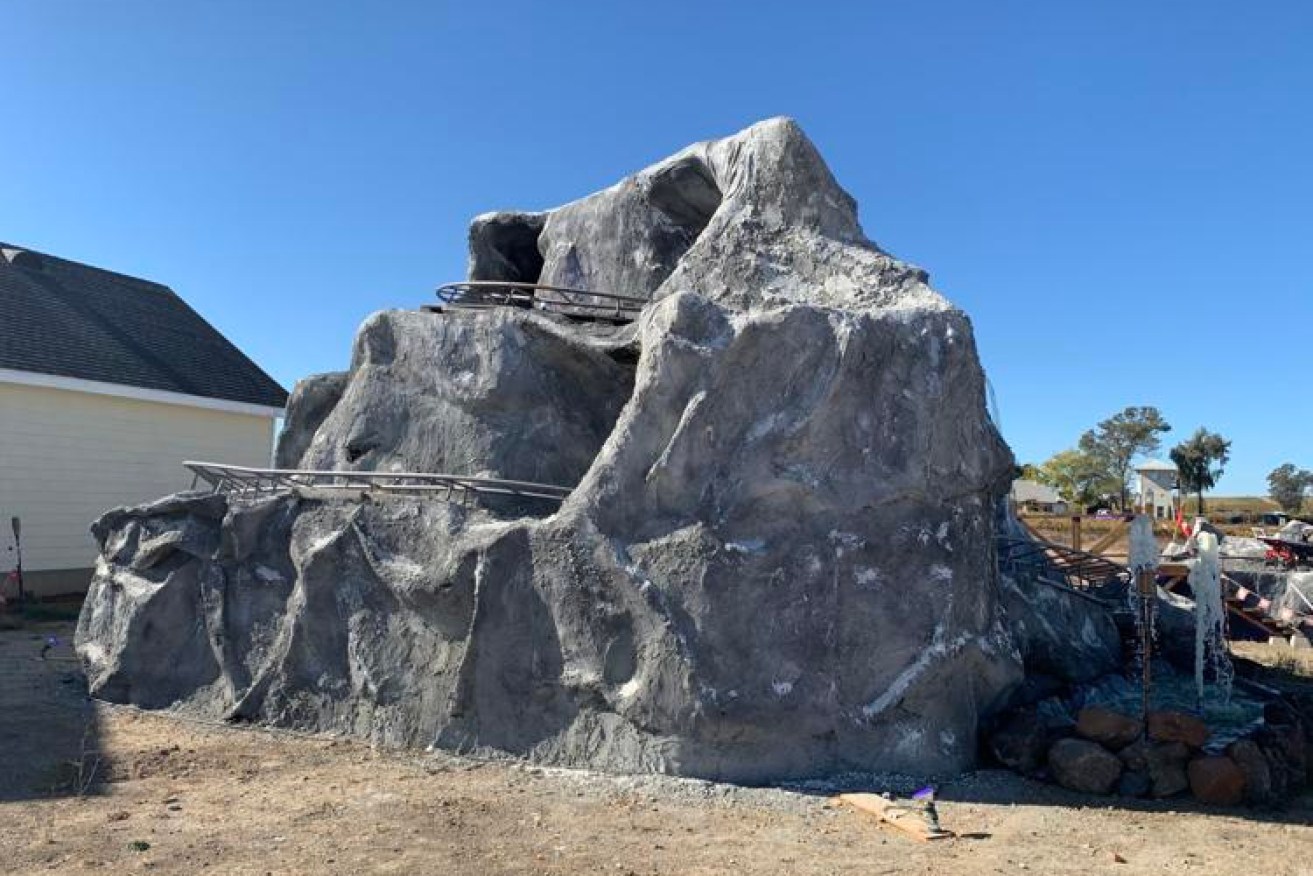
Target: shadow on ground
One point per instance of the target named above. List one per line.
(49, 732)
(1003, 787)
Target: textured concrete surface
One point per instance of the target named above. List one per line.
(776, 561)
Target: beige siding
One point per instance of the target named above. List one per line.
(67, 456)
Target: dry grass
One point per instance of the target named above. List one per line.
(1250, 507)
(1295, 662)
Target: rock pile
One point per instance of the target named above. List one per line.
(776, 560)
(1105, 752)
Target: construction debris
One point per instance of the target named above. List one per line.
(916, 818)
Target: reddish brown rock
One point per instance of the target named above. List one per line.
(1177, 727)
(1084, 766)
(1106, 727)
(1216, 779)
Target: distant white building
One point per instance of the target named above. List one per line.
(1034, 496)
(1157, 488)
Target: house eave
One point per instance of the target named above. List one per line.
(136, 393)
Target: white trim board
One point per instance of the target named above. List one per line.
(138, 393)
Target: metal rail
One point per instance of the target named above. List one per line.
(576, 303)
(241, 482)
(1247, 605)
(1076, 572)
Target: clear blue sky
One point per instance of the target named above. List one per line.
(1118, 193)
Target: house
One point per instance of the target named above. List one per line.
(1034, 496)
(107, 383)
(1157, 488)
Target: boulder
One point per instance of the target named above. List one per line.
(1248, 757)
(1174, 623)
(1284, 748)
(1080, 765)
(1059, 633)
(1216, 779)
(498, 393)
(775, 562)
(312, 400)
(1062, 635)
(1108, 728)
(1020, 742)
(1134, 783)
(1171, 726)
(1136, 755)
(1163, 762)
(1168, 778)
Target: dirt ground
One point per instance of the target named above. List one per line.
(164, 795)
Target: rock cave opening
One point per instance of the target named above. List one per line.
(508, 249)
(687, 195)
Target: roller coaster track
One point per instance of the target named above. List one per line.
(249, 484)
(579, 304)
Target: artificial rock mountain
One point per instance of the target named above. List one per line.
(776, 560)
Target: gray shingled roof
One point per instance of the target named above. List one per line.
(1032, 491)
(68, 319)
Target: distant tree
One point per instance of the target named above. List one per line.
(1119, 439)
(1287, 486)
(1079, 477)
(1199, 460)
(1028, 471)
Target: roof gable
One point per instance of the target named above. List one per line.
(68, 319)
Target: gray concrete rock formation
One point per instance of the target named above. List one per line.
(776, 560)
(310, 403)
(1062, 635)
(500, 394)
(1059, 633)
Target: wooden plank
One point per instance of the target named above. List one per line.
(1263, 623)
(1102, 544)
(904, 817)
